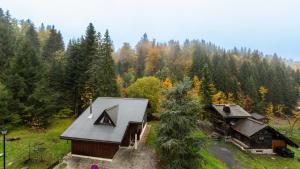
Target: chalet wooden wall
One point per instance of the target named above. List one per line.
(266, 143)
(94, 149)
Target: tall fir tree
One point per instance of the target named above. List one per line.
(199, 59)
(75, 75)
(24, 73)
(7, 41)
(53, 44)
(5, 98)
(106, 81)
(207, 87)
(177, 142)
(33, 38)
(142, 50)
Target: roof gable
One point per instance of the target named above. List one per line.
(109, 116)
(104, 119)
(282, 136)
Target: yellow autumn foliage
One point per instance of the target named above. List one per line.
(219, 98)
(167, 83)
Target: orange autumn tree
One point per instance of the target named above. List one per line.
(167, 83)
(247, 103)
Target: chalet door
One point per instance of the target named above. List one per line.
(278, 143)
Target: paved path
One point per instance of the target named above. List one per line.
(223, 154)
(126, 158)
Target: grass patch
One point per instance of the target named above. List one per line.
(210, 162)
(252, 161)
(55, 148)
(152, 136)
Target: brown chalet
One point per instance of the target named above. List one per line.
(109, 123)
(246, 131)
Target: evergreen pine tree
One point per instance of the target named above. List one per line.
(75, 75)
(199, 60)
(176, 141)
(142, 50)
(7, 41)
(32, 37)
(24, 73)
(53, 44)
(207, 87)
(5, 114)
(106, 82)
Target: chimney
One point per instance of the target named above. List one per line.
(226, 108)
(91, 102)
(91, 109)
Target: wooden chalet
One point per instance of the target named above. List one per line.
(223, 116)
(109, 123)
(246, 131)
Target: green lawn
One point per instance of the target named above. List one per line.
(251, 161)
(210, 162)
(55, 148)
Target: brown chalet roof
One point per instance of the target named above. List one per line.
(236, 111)
(257, 116)
(248, 126)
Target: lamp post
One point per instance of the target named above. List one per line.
(3, 132)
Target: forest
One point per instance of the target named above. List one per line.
(41, 77)
(44, 81)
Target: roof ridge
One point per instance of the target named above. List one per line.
(232, 104)
(256, 121)
(117, 105)
(125, 98)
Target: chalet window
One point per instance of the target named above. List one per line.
(261, 138)
(105, 120)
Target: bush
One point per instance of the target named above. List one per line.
(146, 87)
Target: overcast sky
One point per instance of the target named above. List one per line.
(272, 26)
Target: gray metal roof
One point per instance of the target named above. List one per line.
(248, 126)
(129, 110)
(236, 111)
(257, 116)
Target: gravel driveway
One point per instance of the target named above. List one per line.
(223, 154)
